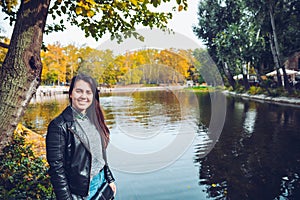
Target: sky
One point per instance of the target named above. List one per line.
(181, 24)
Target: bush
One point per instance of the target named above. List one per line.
(240, 88)
(254, 90)
(23, 174)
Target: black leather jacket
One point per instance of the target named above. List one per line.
(69, 159)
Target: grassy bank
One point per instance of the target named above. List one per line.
(201, 89)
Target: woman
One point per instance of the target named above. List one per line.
(74, 144)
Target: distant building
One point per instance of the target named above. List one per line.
(293, 62)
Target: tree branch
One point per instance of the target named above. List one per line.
(4, 45)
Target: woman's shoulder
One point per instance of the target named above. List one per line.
(64, 117)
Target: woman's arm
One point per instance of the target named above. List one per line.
(55, 148)
(108, 174)
(109, 178)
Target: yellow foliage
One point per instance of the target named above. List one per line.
(78, 10)
(85, 5)
(91, 2)
(180, 8)
(56, 62)
(134, 2)
(37, 141)
(90, 13)
(3, 51)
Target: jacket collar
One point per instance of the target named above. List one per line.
(68, 114)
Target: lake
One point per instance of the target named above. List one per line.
(176, 144)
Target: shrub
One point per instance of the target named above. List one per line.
(23, 174)
(240, 88)
(254, 90)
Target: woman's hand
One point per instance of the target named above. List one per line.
(113, 187)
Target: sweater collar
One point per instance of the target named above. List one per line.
(78, 115)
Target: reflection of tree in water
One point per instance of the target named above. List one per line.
(155, 104)
(263, 165)
(39, 115)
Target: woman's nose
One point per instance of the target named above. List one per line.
(83, 95)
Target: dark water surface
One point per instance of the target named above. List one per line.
(256, 156)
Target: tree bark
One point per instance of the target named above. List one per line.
(21, 70)
(277, 67)
(229, 76)
(245, 77)
(277, 52)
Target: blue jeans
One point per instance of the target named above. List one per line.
(95, 184)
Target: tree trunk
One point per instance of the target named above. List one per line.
(277, 52)
(246, 82)
(21, 70)
(245, 77)
(229, 76)
(261, 82)
(279, 81)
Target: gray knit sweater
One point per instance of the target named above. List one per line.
(91, 137)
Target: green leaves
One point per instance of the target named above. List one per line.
(237, 32)
(23, 175)
(119, 18)
(155, 2)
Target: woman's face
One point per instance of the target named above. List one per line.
(82, 96)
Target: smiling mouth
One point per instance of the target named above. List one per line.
(82, 102)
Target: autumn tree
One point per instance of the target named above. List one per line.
(177, 61)
(153, 66)
(120, 67)
(73, 54)
(54, 61)
(21, 70)
(97, 63)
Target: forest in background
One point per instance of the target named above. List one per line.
(144, 66)
(252, 37)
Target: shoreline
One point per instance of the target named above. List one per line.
(51, 90)
(45, 93)
(135, 88)
(48, 93)
(265, 98)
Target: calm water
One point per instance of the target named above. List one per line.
(167, 145)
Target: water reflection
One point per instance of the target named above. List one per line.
(143, 114)
(41, 111)
(257, 155)
(150, 129)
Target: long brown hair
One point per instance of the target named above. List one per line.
(94, 112)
